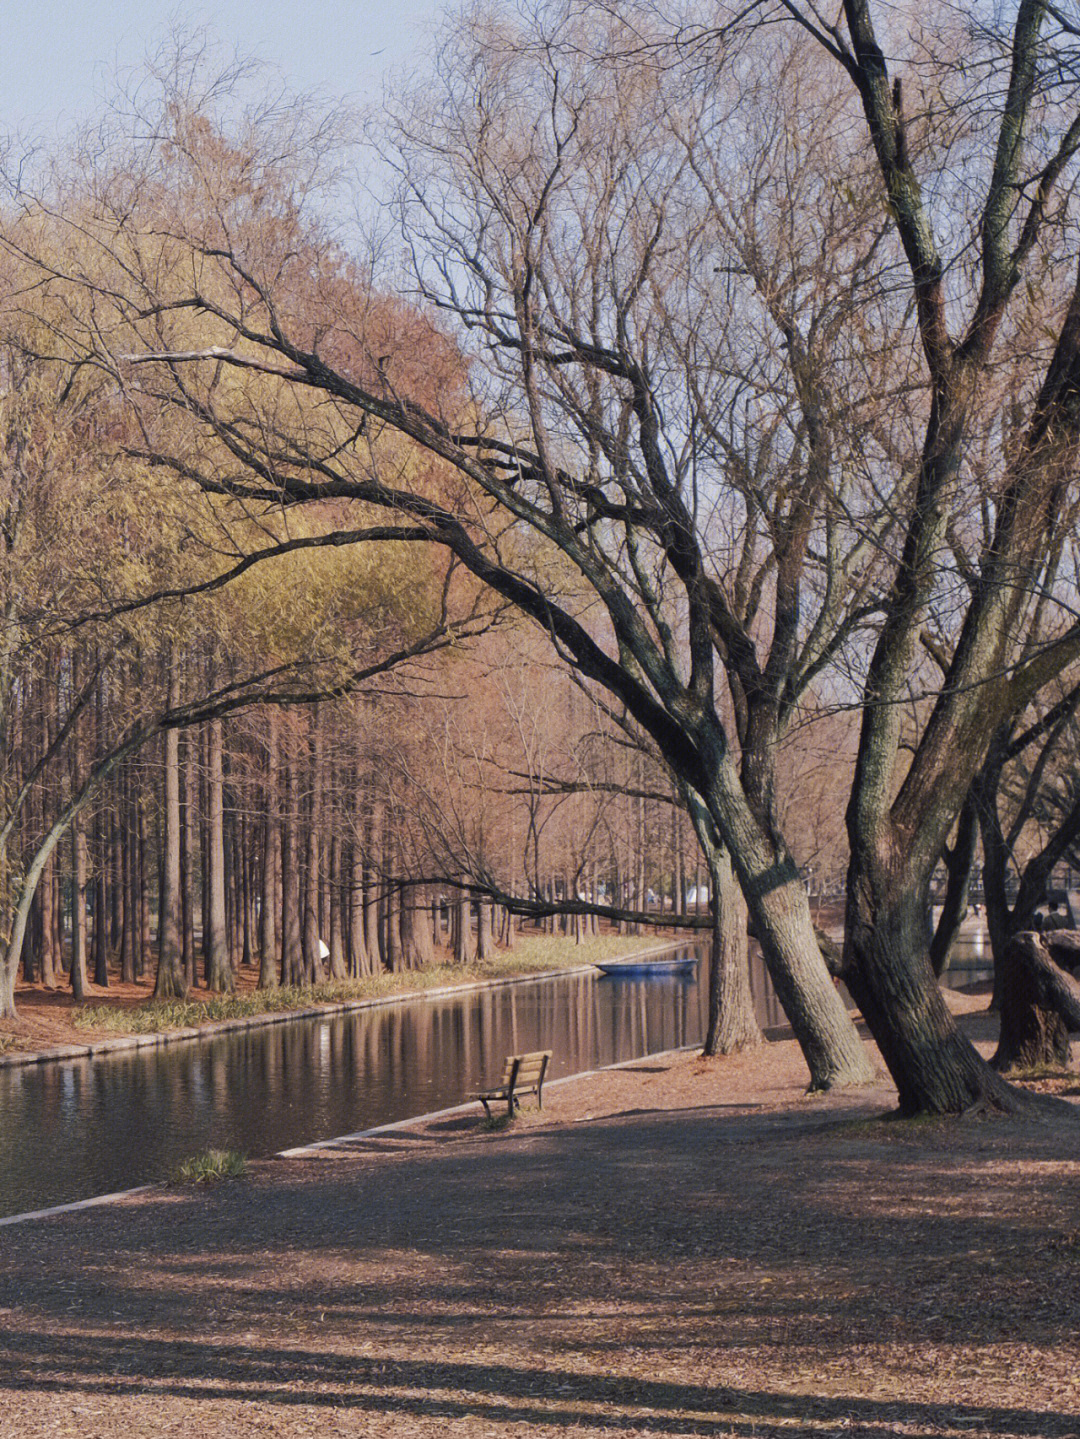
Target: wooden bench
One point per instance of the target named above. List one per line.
(523, 1074)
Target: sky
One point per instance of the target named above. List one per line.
(57, 57)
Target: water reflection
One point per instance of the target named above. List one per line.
(971, 961)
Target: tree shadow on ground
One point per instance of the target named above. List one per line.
(491, 1392)
(607, 1267)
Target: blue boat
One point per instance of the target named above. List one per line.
(633, 968)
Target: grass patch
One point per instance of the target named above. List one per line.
(7, 1041)
(554, 951)
(494, 1122)
(531, 955)
(211, 1167)
(1039, 1071)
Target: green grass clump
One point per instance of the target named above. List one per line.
(533, 954)
(211, 1167)
(494, 1122)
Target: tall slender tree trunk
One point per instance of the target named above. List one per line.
(142, 893)
(338, 968)
(270, 911)
(116, 884)
(79, 868)
(461, 926)
(291, 949)
(219, 972)
(101, 910)
(129, 941)
(246, 861)
(392, 925)
(359, 963)
(49, 955)
(312, 934)
(372, 904)
(313, 965)
(171, 981)
(189, 861)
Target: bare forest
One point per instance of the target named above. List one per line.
(655, 507)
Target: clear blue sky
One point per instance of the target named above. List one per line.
(57, 56)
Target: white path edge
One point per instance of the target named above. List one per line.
(75, 1204)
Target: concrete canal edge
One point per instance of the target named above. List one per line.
(213, 1028)
(75, 1205)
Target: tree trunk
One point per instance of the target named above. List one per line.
(1040, 1006)
(416, 941)
(774, 893)
(461, 926)
(78, 909)
(269, 950)
(337, 932)
(392, 925)
(142, 889)
(219, 971)
(116, 886)
(291, 955)
(171, 980)
(732, 1022)
(886, 966)
(314, 970)
(129, 940)
(372, 886)
(313, 965)
(189, 863)
(359, 963)
(959, 862)
(49, 957)
(101, 920)
(483, 930)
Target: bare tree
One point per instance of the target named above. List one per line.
(570, 448)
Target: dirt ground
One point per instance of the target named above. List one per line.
(678, 1247)
(46, 1017)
